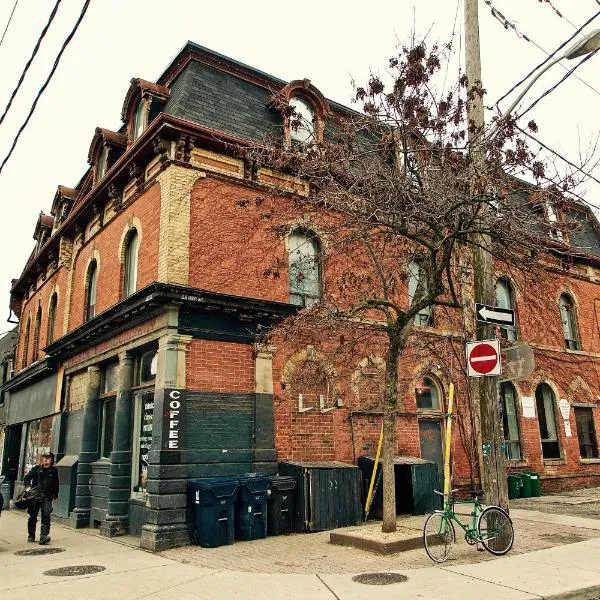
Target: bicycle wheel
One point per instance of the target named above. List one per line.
(438, 536)
(495, 530)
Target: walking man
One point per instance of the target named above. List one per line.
(45, 476)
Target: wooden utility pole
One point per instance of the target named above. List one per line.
(493, 460)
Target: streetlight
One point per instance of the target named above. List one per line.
(587, 45)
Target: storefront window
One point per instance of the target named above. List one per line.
(39, 436)
(144, 415)
(108, 426)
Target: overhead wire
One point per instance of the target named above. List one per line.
(549, 57)
(45, 85)
(12, 12)
(33, 54)
(558, 13)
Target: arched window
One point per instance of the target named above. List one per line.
(429, 409)
(131, 263)
(90, 292)
(510, 421)
(427, 394)
(302, 122)
(24, 355)
(505, 299)
(52, 317)
(304, 268)
(569, 322)
(415, 282)
(36, 334)
(139, 120)
(545, 401)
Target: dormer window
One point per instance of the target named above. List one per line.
(102, 163)
(553, 220)
(139, 120)
(302, 122)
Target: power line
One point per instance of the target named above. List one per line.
(35, 51)
(550, 56)
(41, 91)
(9, 20)
(548, 91)
(549, 3)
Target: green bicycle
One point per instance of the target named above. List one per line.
(490, 525)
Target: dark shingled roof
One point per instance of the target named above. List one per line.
(218, 100)
(586, 237)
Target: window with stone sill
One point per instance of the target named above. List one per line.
(304, 268)
(52, 317)
(546, 413)
(568, 319)
(131, 263)
(415, 281)
(505, 298)
(90, 292)
(586, 432)
(510, 422)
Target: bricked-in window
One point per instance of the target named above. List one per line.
(52, 317)
(545, 401)
(417, 283)
(510, 421)
(304, 268)
(90, 292)
(569, 322)
(131, 263)
(586, 432)
(24, 355)
(505, 298)
(36, 334)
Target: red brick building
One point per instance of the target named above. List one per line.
(146, 289)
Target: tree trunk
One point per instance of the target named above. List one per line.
(389, 432)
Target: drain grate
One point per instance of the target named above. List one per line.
(379, 578)
(75, 570)
(39, 551)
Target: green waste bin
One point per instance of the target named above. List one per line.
(514, 486)
(212, 501)
(536, 484)
(526, 487)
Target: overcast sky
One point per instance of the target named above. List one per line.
(328, 42)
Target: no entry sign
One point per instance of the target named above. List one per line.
(483, 358)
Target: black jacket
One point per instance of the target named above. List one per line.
(47, 479)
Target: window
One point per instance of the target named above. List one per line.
(302, 122)
(416, 283)
(139, 120)
(567, 317)
(102, 163)
(584, 417)
(555, 233)
(304, 269)
(510, 421)
(110, 380)
(108, 426)
(36, 334)
(142, 441)
(544, 398)
(24, 355)
(131, 261)
(505, 299)
(146, 368)
(52, 317)
(427, 394)
(39, 435)
(90, 296)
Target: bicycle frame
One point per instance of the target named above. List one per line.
(470, 530)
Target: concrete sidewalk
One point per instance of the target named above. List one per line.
(134, 574)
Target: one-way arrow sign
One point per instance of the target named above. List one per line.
(496, 315)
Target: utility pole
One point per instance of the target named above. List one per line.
(491, 451)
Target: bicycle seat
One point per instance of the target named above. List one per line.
(476, 493)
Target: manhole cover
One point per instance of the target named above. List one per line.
(75, 570)
(379, 578)
(38, 551)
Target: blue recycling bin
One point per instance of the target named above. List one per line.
(251, 507)
(213, 502)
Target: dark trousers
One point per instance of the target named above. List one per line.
(46, 507)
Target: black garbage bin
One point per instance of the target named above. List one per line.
(282, 505)
(251, 507)
(212, 501)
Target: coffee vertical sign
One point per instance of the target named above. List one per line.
(173, 419)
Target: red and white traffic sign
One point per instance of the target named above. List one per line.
(483, 358)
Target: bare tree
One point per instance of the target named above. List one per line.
(396, 202)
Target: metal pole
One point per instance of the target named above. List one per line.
(493, 474)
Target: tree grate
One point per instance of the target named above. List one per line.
(74, 570)
(38, 551)
(379, 578)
